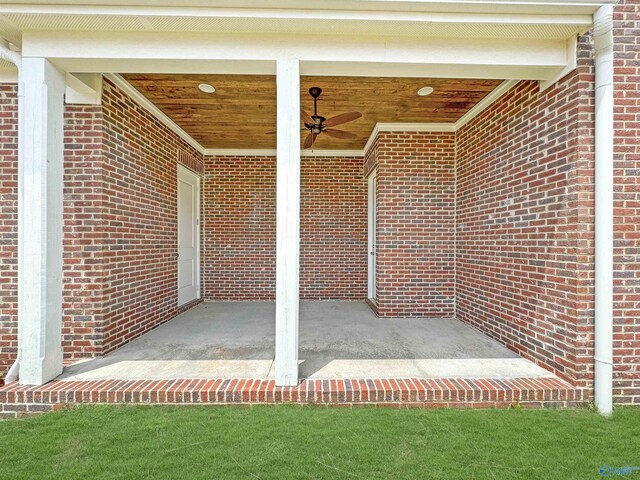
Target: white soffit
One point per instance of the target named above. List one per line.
(255, 7)
(11, 25)
(5, 65)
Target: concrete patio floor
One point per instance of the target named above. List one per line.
(337, 340)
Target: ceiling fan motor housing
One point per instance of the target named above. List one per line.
(315, 92)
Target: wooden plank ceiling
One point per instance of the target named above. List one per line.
(243, 107)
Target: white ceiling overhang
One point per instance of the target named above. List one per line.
(478, 19)
(250, 6)
(531, 39)
(509, 40)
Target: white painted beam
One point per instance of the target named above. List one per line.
(83, 89)
(287, 221)
(229, 46)
(362, 69)
(572, 64)
(536, 59)
(82, 82)
(292, 12)
(40, 212)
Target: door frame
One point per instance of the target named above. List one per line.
(372, 212)
(191, 177)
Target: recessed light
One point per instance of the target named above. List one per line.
(206, 88)
(424, 91)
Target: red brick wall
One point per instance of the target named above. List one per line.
(333, 229)
(239, 226)
(370, 161)
(525, 222)
(415, 189)
(140, 192)
(525, 232)
(8, 225)
(82, 276)
(627, 204)
(84, 272)
(523, 210)
(119, 224)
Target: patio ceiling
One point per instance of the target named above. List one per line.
(243, 107)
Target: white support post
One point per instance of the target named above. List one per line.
(604, 131)
(288, 221)
(40, 173)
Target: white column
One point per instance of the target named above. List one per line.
(604, 130)
(40, 170)
(287, 222)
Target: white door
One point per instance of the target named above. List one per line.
(372, 235)
(188, 236)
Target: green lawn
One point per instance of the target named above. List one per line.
(305, 442)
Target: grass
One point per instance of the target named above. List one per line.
(110, 442)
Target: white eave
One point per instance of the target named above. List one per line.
(507, 40)
(459, 19)
(252, 6)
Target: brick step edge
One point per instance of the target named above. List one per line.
(445, 392)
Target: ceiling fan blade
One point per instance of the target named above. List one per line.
(340, 134)
(342, 118)
(306, 118)
(308, 142)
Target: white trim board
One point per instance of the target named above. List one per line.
(266, 152)
(272, 152)
(483, 104)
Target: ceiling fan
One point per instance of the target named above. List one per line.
(317, 124)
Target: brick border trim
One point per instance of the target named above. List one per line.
(16, 399)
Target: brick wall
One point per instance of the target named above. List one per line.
(415, 196)
(8, 225)
(525, 222)
(239, 225)
(140, 201)
(84, 272)
(525, 229)
(119, 273)
(518, 230)
(627, 204)
(239, 228)
(333, 229)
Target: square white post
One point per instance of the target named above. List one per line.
(287, 221)
(40, 173)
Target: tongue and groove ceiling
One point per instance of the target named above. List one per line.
(243, 107)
